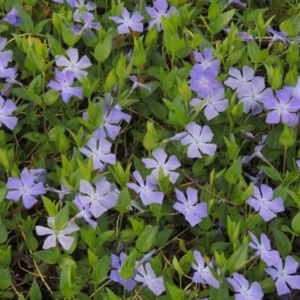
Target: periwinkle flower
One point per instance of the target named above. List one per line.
(264, 250)
(138, 84)
(25, 188)
(13, 17)
(7, 54)
(118, 263)
(198, 140)
(100, 199)
(277, 35)
(238, 77)
(147, 277)
(159, 10)
(73, 65)
(202, 81)
(257, 151)
(283, 276)
(213, 104)
(245, 36)
(63, 83)
(243, 289)
(160, 162)
(206, 60)
(84, 211)
(193, 211)
(39, 174)
(264, 203)
(236, 2)
(81, 7)
(128, 22)
(7, 107)
(147, 192)
(203, 274)
(86, 19)
(252, 93)
(54, 234)
(99, 150)
(283, 108)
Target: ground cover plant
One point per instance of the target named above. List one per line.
(149, 149)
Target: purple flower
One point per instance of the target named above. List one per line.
(133, 23)
(73, 64)
(197, 140)
(63, 82)
(99, 150)
(257, 151)
(84, 211)
(203, 274)
(110, 118)
(25, 188)
(101, 199)
(277, 35)
(284, 107)
(138, 84)
(5, 55)
(202, 81)
(160, 9)
(283, 276)
(81, 7)
(118, 263)
(39, 174)
(241, 286)
(207, 61)
(10, 81)
(236, 2)
(251, 93)
(87, 19)
(6, 109)
(269, 256)
(160, 163)
(245, 36)
(4, 71)
(294, 90)
(57, 234)
(190, 208)
(237, 77)
(213, 104)
(147, 192)
(148, 278)
(264, 203)
(13, 18)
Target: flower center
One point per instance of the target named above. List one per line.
(282, 108)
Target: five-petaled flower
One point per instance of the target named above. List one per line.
(25, 188)
(148, 278)
(13, 17)
(190, 208)
(54, 234)
(73, 65)
(241, 286)
(283, 276)
(118, 263)
(6, 109)
(263, 249)
(128, 22)
(203, 274)
(99, 150)
(160, 162)
(264, 203)
(147, 192)
(198, 140)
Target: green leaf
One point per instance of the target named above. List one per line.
(146, 240)
(283, 244)
(5, 279)
(238, 260)
(296, 223)
(287, 139)
(102, 50)
(270, 172)
(62, 218)
(213, 11)
(111, 295)
(48, 256)
(174, 292)
(124, 201)
(101, 269)
(67, 284)
(3, 233)
(260, 56)
(35, 292)
(221, 21)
